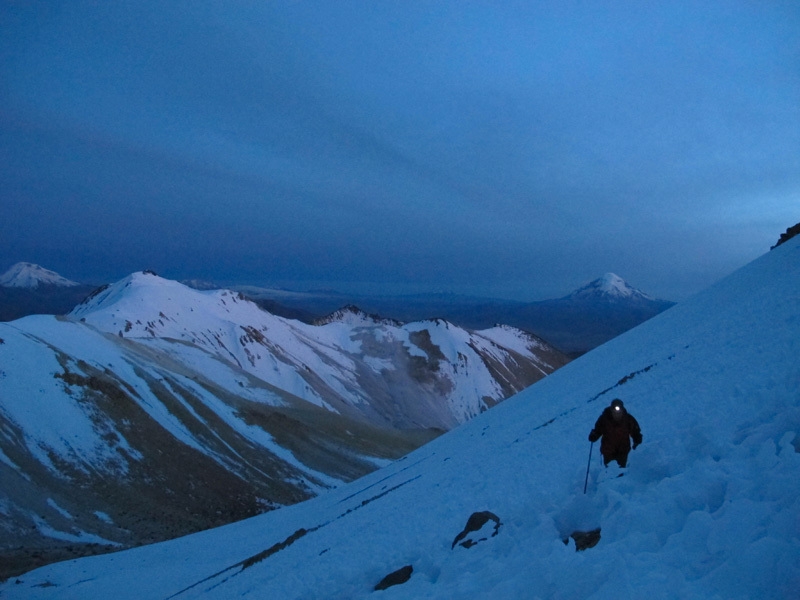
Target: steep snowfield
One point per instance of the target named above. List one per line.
(709, 507)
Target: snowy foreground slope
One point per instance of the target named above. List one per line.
(709, 507)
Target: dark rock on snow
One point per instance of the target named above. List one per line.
(584, 539)
(787, 235)
(476, 529)
(395, 578)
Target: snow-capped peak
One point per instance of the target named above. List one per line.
(145, 296)
(610, 286)
(29, 275)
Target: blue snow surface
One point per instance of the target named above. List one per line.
(709, 507)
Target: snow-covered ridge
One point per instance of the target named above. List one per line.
(29, 275)
(350, 363)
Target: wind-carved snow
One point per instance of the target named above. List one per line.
(215, 369)
(708, 506)
(522, 343)
(469, 376)
(254, 434)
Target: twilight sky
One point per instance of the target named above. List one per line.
(513, 149)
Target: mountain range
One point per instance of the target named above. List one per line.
(506, 505)
(153, 410)
(574, 324)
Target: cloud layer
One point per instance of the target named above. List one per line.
(518, 150)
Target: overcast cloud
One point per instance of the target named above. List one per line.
(514, 149)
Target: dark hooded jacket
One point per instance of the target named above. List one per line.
(617, 435)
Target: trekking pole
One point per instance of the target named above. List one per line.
(586, 483)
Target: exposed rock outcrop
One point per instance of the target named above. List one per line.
(584, 539)
(395, 578)
(480, 527)
(787, 235)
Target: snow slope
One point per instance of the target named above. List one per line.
(160, 439)
(709, 507)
